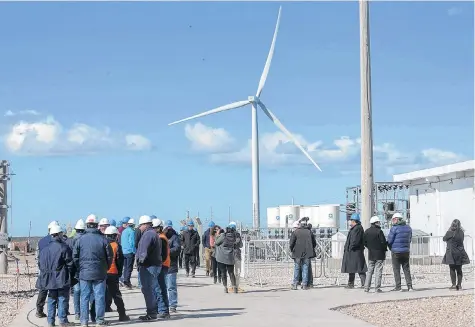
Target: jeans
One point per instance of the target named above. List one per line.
(301, 264)
(398, 260)
(162, 293)
(77, 299)
(93, 290)
(149, 279)
(310, 274)
(129, 259)
(172, 290)
(376, 267)
(58, 298)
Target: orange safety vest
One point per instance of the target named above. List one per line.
(113, 269)
(166, 263)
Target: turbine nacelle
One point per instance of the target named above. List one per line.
(253, 99)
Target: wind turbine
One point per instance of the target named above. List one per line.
(255, 102)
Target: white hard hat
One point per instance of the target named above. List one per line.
(111, 230)
(374, 219)
(131, 221)
(91, 219)
(53, 223)
(397, 215)
(55, 229)
(295, 224)
(157, 223)
(104, 221)
(80, 224)
(145, 220)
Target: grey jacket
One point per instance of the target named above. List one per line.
(224, 255)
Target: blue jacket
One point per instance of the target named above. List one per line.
(71, 241)
(399, 238)
(205, 239)
(149, 250)
(175, 247)
(55, 266)
(92, 255)
(127, 240)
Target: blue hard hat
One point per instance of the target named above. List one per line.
(153, 217)
(125, 220)
(168, 223)
(190, 223)
(232, 224)
(355, 216)
(211, 224)
(113, 222)
(182, 228)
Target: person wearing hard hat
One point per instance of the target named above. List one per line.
(113, 274)
(214, 264)
(127, 240)
(375, 242)
(92, 256)
(103, 224)
(353, 254)
(237, 254)
(124, 223)
(162, 293)
(302, 246)
(175, 249)
(190, 241)
(207, 248)
(399, 242)
(80, 229)
(55, 276)
(225, 247)
(149, 263)
(43, 294)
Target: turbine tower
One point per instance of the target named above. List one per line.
(256, 102)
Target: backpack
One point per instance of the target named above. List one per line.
(229, 240)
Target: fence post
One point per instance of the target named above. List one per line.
(243, 256)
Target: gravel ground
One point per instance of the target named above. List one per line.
(8, 288)
(448, 311)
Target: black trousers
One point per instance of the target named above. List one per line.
(214, 267)
(456, 275)
(197, 251)
(352, 276)
(398, 260)
(113, 293)
(224, 270)
(41, 300)
(190, 260)
(180, 259)
(129, 260)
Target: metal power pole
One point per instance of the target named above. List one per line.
(4, 177)
(366, 118)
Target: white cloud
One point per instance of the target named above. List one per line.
(441, 157)
(49, 137)
(454, 11)
(10, 113)
(208, 139)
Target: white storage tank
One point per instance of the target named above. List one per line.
(273, 217)
(290, 212)
(314, 216)
(329, 215)
(306, 211)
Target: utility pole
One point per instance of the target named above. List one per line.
(4, 178)
(367, 200)
(187, 215)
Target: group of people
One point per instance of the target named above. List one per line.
(97, 258)
(303, 242)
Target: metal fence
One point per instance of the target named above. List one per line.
(268, 261)
(20, 280)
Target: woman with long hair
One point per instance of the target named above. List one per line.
(455, 255)
(225, 245)
(214, 264)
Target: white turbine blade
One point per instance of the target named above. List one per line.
(230, 106)
(262, 82)
(287, 133)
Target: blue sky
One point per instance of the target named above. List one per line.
(87, 91)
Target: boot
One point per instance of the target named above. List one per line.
(235, 289)
(215, 279)
(225, 289)
(350, 286)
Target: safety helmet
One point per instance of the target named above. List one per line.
(295, 224)
(355, 216)
(53, 223)
(153, 217)
(168, 223)
(157, 223)
(232, 224)
(131, 221)
(190, 223)
(182, 228)
(397, 215)
(80, 224)
(374, 219)
(113, 222)
(111, 230)
(104, 221)
(91, 219)
(125, 220)
(211, 224)
(55, 229)
(145, 220)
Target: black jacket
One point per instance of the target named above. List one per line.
(149, 250)
(353, 255)
(455, 253)
(92, 255)
(175, 248)
(375, 241)
(190, 239)
(302, 244)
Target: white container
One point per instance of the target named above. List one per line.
(338, 245)
(314, 216)
(290, 213)
(306, 211)
(273, 217)
(329, 215)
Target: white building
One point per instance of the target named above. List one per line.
(440, 195)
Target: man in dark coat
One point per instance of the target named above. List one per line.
(55, 276)
(353, 255)
(399, 242)
(302, 245)
(175, 249)
(191, 241)
(310, 272)
(92, 255)
(375, 242)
